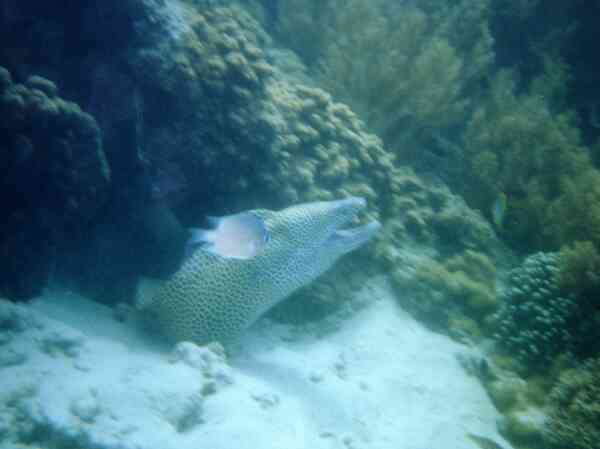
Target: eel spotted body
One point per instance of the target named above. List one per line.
(217, 293)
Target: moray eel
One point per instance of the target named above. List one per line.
(247, 264)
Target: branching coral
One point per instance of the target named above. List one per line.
(535, 320)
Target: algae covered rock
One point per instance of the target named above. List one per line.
(524, 427)
(454, 296)
(441, 256)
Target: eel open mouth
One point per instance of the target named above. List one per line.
(352, 238)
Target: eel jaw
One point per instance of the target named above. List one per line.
(350, 239)
(347, 240)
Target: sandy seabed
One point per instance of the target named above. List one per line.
(71, 375)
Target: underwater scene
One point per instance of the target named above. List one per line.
(290, 224)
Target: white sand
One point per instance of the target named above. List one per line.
(375, 379)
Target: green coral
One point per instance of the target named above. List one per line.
(524, 428)
(404, 69)
(575, 215)
(579, 274)
(505, 394)
(574, 411)
(522, 401)
(535, 321)
(518, 146)
(454, 296)
(478, 274)
(579, 267)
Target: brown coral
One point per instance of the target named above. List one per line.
(53, 180)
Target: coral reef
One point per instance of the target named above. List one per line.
(522, 401)
(248, 135)
(575, 215)
(454, 296)
(216, 298)
(54, 179)
(69, 44)
(405, 69)
(579, 274)
(425, 211)
(534, 322)
(244, 134)
(520, 140)
(523, 145)
(574, 408)
(579, 268)
(272, 136)
(566, 30)
(201, 95)
(516, 145)
(204, 101)
(322, 150)
(524, 428)
(424, 225)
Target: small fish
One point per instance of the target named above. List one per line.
(238, 236)
(499, 210)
